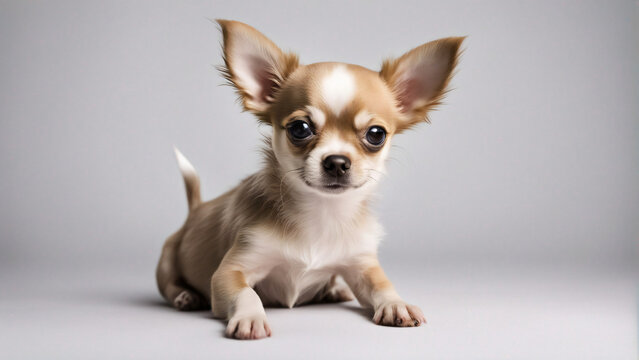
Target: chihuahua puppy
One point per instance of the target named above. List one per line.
(300, 230)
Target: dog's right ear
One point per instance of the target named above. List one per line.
(254, 65)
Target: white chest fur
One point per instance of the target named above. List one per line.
(290, 271)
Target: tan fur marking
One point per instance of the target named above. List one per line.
(377, 278)
(236, 279)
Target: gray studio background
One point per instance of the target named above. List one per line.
(533, 162)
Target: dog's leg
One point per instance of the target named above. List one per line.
(169, 283)
(185, 299)
(233, 299)
(373, 290)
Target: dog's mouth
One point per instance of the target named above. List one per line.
(332, 187)
(329, 185)
(335, 188)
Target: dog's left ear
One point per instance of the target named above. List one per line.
(254, 65)
(419, 78)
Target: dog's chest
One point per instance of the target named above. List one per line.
(294, 270)
(291, 283)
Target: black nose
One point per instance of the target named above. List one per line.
(337, 165)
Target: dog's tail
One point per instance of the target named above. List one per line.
(191, 179)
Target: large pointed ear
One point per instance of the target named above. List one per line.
(419, 77)
(254, 65)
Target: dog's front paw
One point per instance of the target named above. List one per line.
(248, 327)
(398, 314)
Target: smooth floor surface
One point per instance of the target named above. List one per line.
(473, 313)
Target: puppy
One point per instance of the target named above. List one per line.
(289, 234)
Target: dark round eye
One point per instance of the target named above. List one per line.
(299, 130)
(376, 135)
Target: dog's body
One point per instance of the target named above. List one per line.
(288, 234)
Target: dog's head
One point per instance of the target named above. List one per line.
(332, 122)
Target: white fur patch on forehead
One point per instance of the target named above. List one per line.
(338, 89)
(317, 116)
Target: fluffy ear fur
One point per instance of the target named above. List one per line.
(254, 65)
(419, 77)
